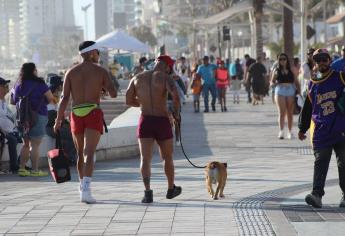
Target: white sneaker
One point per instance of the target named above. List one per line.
(289, 135)
(178, 143)
(281, 134)
(85, 196)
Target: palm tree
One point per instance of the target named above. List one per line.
(258, 15)
(288, 29)
(144, 34)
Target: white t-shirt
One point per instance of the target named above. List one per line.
(7, 118)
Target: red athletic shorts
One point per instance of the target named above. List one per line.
(156, 127)
(94, 120)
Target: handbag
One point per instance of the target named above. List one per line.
(58, 162)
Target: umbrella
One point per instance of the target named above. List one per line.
(120, 40)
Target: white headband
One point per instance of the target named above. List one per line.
(90, 48)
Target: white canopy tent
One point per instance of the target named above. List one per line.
(120, 40)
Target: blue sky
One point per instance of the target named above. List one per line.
(80, 17)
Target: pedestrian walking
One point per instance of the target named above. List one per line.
(154, 124)
(222, 82)
(257, 77)
(247, 83)
(236, 80)
(196, 88)
(307, 71)
(339, 64)
(286, 87)
(32, 87)
(323, 113)
(84, 83)
(207, 73)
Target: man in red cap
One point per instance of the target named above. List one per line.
(148, 90)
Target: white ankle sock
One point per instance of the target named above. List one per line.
(86, 183)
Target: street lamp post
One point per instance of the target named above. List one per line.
(239, 34)
(84, 9)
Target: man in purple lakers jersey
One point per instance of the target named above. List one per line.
(322, 114)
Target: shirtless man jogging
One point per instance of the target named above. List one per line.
(85, 82)
(148, 90)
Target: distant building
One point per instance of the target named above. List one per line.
(336, 29)
(124, 13)
(9, 28)
(36, 29)
(103, 17)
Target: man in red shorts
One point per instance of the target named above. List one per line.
(148, 90)
(85, 82)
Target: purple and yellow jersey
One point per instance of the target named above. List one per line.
(327, 123)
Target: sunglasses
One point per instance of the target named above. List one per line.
(321, 59)
(282, 59)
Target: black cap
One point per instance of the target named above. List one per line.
(205, 58)
(142, 60)
(3, 81)
(55, 80)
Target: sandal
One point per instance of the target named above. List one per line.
(174, 192)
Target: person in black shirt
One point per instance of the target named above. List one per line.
(247, 85)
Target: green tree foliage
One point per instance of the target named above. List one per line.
(277, 48)
(144, 34)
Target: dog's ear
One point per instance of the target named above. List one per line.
(225, 164)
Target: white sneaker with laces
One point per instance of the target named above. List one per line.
(281, 134)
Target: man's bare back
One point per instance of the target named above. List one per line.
(150, 90)
(85, 82)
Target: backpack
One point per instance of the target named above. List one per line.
(26, 116)
(239, 71)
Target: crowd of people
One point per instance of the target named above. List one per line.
(318, 82)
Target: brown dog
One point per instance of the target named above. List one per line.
(216, 173)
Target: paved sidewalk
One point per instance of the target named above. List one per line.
(267, 181)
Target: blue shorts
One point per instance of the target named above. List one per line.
(39, 129)
(286, 90)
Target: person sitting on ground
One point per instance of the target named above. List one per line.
(154, 124)
(8, 127)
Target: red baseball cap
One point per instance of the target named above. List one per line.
(168, 60)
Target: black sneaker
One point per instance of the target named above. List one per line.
(148, 197)
(206, 110)
(342, 201)
(313, 200)
(174, 192)
(213, 107)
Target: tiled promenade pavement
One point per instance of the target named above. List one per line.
(267, 181)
